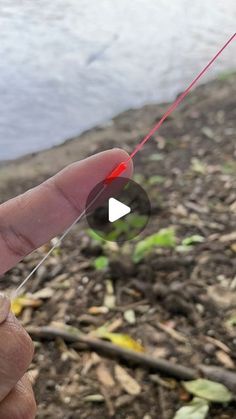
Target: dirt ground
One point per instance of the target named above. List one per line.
(181, 302)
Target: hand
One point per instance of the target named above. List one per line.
(27, 222)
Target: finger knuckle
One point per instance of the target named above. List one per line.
(17, 243)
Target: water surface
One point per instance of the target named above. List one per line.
(68, 65)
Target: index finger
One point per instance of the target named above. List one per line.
(40, 214)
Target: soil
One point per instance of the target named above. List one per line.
(183, 300)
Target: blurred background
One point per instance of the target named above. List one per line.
(66, 66)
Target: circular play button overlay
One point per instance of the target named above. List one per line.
(118, 211)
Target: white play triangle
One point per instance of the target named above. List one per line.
(117, 210)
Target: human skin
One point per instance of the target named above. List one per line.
(27, 222)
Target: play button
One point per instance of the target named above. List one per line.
(119, 211)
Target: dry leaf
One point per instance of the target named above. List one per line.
(225, 359)
(129, 316)
(94, 398)
(114, 325)
(222, 296)
(19, 303)
(44, 293)
(128, 383)
(219, 344)
(110, 298)
(160, 352)
(228, 237)
(104, 376)
(98, 310)
(125, 341)
(172, 332)
(89, 361)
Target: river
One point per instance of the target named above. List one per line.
(68, 65)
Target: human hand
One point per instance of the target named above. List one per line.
(27, 222)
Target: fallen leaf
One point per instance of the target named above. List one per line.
(19, 303)
(218, 344)
(129, 316)
(98, 310)
(225, 359)
(114, 325)
(198, 166)
(109, 299)
(160, 352)
(172, 332)
(104, 376)
(209, 390)
(222, 296)
(89, 361)
(128, 383)
(228, 237)
(196, 409)
(125, 341)
(44, 293)
(94, 398)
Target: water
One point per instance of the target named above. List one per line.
(68, 65)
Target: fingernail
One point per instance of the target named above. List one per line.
(4, 307)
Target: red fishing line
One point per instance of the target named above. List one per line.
(122, 166)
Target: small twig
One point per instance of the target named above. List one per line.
(167, 368)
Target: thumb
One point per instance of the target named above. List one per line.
(4, 307)
(35, 217)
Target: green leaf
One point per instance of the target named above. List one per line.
(196, 238)
(209, 390)
(137, 221)
(164, 238)
(95, 236)
(153, 180)
(197, 409)
(156, 157)
(232, 320)
(101, 263)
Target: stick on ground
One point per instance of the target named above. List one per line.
(146, 361)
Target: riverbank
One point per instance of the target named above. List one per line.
(178, 302)
(123, 131)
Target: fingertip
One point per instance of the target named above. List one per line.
(122, 156)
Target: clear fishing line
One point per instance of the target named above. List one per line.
(118, 170)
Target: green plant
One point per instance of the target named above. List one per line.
(101, 263)
(156, 179)
(163, 238)
(188, 243)
(95, 236)
(126, 226)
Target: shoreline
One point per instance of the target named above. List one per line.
(123, 130)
